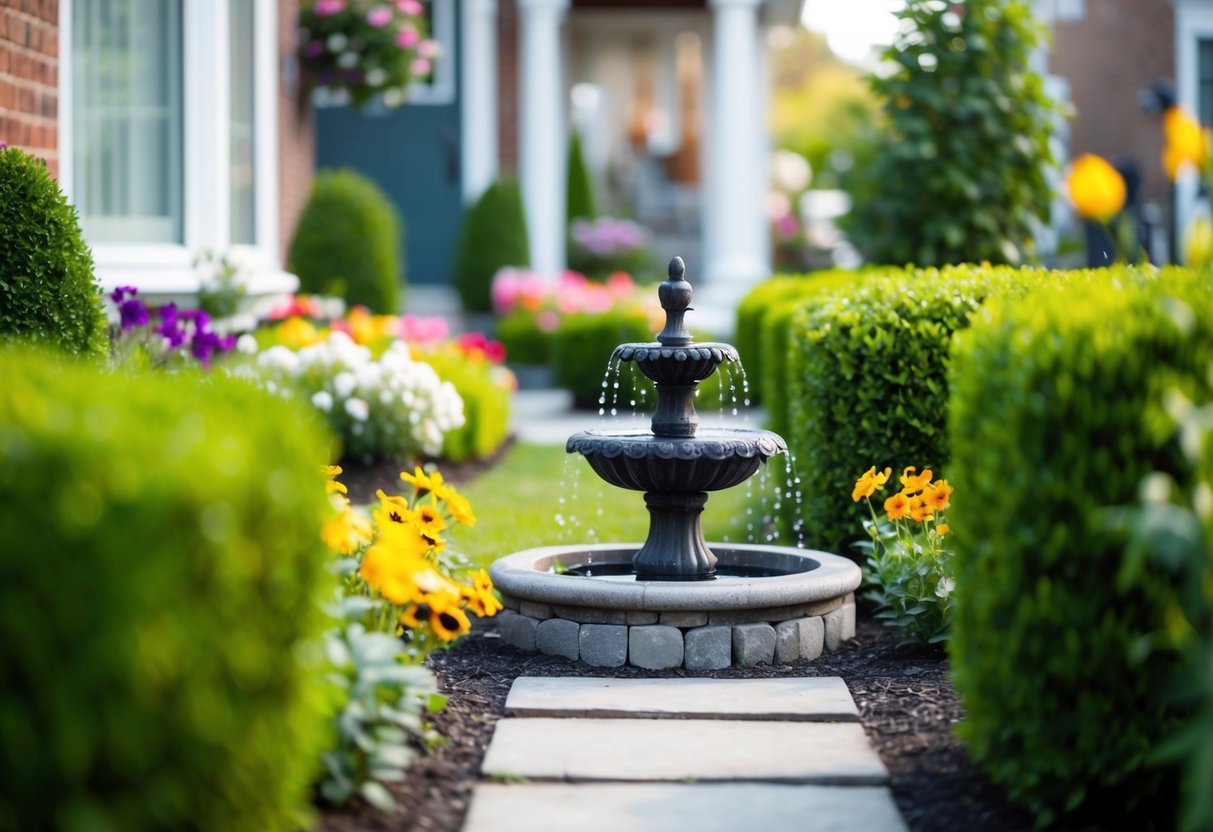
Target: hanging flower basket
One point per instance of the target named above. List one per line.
(365, 49)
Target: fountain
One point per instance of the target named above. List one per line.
(673, 601)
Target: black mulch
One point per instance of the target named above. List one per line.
(905, 699)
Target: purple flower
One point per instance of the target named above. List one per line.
(170, 325)
(121, 292)
(133, 313)
(313, 49)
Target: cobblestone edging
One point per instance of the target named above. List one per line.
(694, 640)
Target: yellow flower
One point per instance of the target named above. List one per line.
(1185, 141)
(919, 510)
(459, 506)
(409, 617)
(1198, 243)
(392, 573)
(297, 333)
(869, 483)
(897, 505)
(428, 520)
(942, 529)
(480, 597)
(392, 510)
(332, 486)
(1096, 189)
(447, 620)
(938, 496)
(347, 532)
(404, 538)
(911, 482)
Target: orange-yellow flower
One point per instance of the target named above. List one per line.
(869, 483)
(942, 529)
(1095, 187)
(332, 486)
(347, 532)
(1185, 141)
(918, 509)
(938, 496)
(297, 333)
(897, 505)
(911, 482)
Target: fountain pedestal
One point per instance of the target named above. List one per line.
(675, 549)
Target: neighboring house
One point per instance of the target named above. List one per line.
(1109, 54)
(669, 96)
(174, 126)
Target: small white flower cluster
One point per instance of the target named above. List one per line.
(385, 407)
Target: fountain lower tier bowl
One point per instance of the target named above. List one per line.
(712, 460)
(768, 604)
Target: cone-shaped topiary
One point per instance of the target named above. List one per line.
(348, 243)
(494, 235)
(580, 188)
(48, 291)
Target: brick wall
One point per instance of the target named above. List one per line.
(1108, 57)
(296, 136)
(507, 86)
(29, 77)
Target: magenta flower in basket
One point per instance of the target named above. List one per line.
(365, 48)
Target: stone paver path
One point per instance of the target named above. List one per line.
(671, 754)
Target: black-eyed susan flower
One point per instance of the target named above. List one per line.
(392, 510)
(430, 523)
(333, 486)
(405, 539)
(447, 619)
(480, 597)
(393, 575)
(869, 483)
(422, 482)
(347, 532)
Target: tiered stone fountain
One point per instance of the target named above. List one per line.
(673, 601)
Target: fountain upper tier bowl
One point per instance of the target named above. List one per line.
(712, 460)
(676, 365)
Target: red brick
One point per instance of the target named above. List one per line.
(5, 53)
(8, 95)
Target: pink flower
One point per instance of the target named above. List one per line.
(786, 227)
(547, 321)
(620, 284)
(407, 38)
(428, 49)
(420, 66)
(379, 17)
(410, 7)
(324, 8)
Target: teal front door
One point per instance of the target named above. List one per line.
(413, 154)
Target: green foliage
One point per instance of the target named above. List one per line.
(870, 384)
(582, 347)
(524, 340)
(47, 289)
(963, 170)
(348, 242)
(1056, 416)
(751, 314)
(162, 571)
(494, 235)
(580, 204)
(486, 404)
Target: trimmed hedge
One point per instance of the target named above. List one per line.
(1057, 415)
(751, 316)
(47, 289)
(494, 235)
(871, 385)
(348, 243)
(162, 568)
(524, 341)
(581, 349)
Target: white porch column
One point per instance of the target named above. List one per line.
(737, 244)
(479, 65)
(541, 144)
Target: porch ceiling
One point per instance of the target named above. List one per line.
(653, 5)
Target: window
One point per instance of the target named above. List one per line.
(1204, 80)
(242, 149)
(127, 126)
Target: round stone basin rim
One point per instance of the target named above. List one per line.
(655, 350)
(713, 443)
(524, 575)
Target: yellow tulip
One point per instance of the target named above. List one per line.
(1198, 243)
(1096, 189)
(1185, 141)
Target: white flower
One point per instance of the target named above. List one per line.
(279, 358)
(344, 384)
(357, 408)
(336, 42)
(347, 60)
(246, 344)
(376, 77)
(945, 586)
(323, 400)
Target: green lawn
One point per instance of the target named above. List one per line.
(517, 501)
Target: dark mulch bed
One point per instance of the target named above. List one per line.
(905, 699)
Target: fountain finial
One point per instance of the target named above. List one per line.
(675, 296)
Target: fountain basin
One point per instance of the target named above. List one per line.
(704, 625)
(712, 460)
(679, 364)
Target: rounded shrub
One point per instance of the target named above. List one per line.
(526, 342)
(582, 348)
(494, 235)
(580, 189)
(348, 243)
(48, 292)
(1057, 414)
(162, 571)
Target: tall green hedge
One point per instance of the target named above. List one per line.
(494, 235)
(1057, 414)
(870, 384)
(162, 572)
(348, 242)
(751, 314)
(579, 187)
(47, 289)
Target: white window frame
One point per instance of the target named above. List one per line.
(1193, 23)
(166, 269)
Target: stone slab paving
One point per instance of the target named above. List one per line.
(665, 807)
(805, 699)
(543, 748)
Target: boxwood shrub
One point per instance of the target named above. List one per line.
(582, 346)
(751, 316)
(1057, 414)
(494, 235)
(47, 289)
(348, 242)
(870, 385)
(162, 571)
